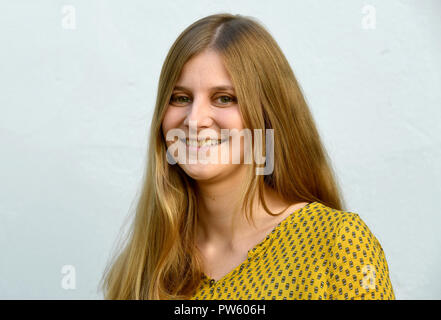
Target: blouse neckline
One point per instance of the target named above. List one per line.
(261, 246)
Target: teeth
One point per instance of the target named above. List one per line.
(204, 143)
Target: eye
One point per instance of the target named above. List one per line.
(180, 100)
(226, 99)
(177, 100)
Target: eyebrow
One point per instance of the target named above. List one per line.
(212, 88)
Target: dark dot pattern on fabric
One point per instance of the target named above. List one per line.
(316, 253)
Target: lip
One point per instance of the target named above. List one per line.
(193, 148)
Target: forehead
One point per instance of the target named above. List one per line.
(205, 70)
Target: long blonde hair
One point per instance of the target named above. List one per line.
(158, 258)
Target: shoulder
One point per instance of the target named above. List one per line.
(323, 221)
(355, 261)
(345, 232)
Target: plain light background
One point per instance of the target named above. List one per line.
(76, 105)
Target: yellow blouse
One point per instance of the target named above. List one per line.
(315, 253)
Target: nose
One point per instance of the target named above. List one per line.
(199, 114)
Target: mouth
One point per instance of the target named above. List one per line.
(202, 144)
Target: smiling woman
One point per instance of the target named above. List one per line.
(219, 230)
(203, 82)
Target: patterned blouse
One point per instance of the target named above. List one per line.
(317, 252)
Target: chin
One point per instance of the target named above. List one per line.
(202, 171)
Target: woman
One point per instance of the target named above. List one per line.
(220, 230)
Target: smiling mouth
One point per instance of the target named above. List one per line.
(202, 143)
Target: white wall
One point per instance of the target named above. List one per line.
(76, 105)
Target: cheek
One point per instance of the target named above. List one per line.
(172, 119)
(230, 118)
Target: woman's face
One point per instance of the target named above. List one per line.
(199, 103)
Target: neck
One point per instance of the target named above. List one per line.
(221, 221)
